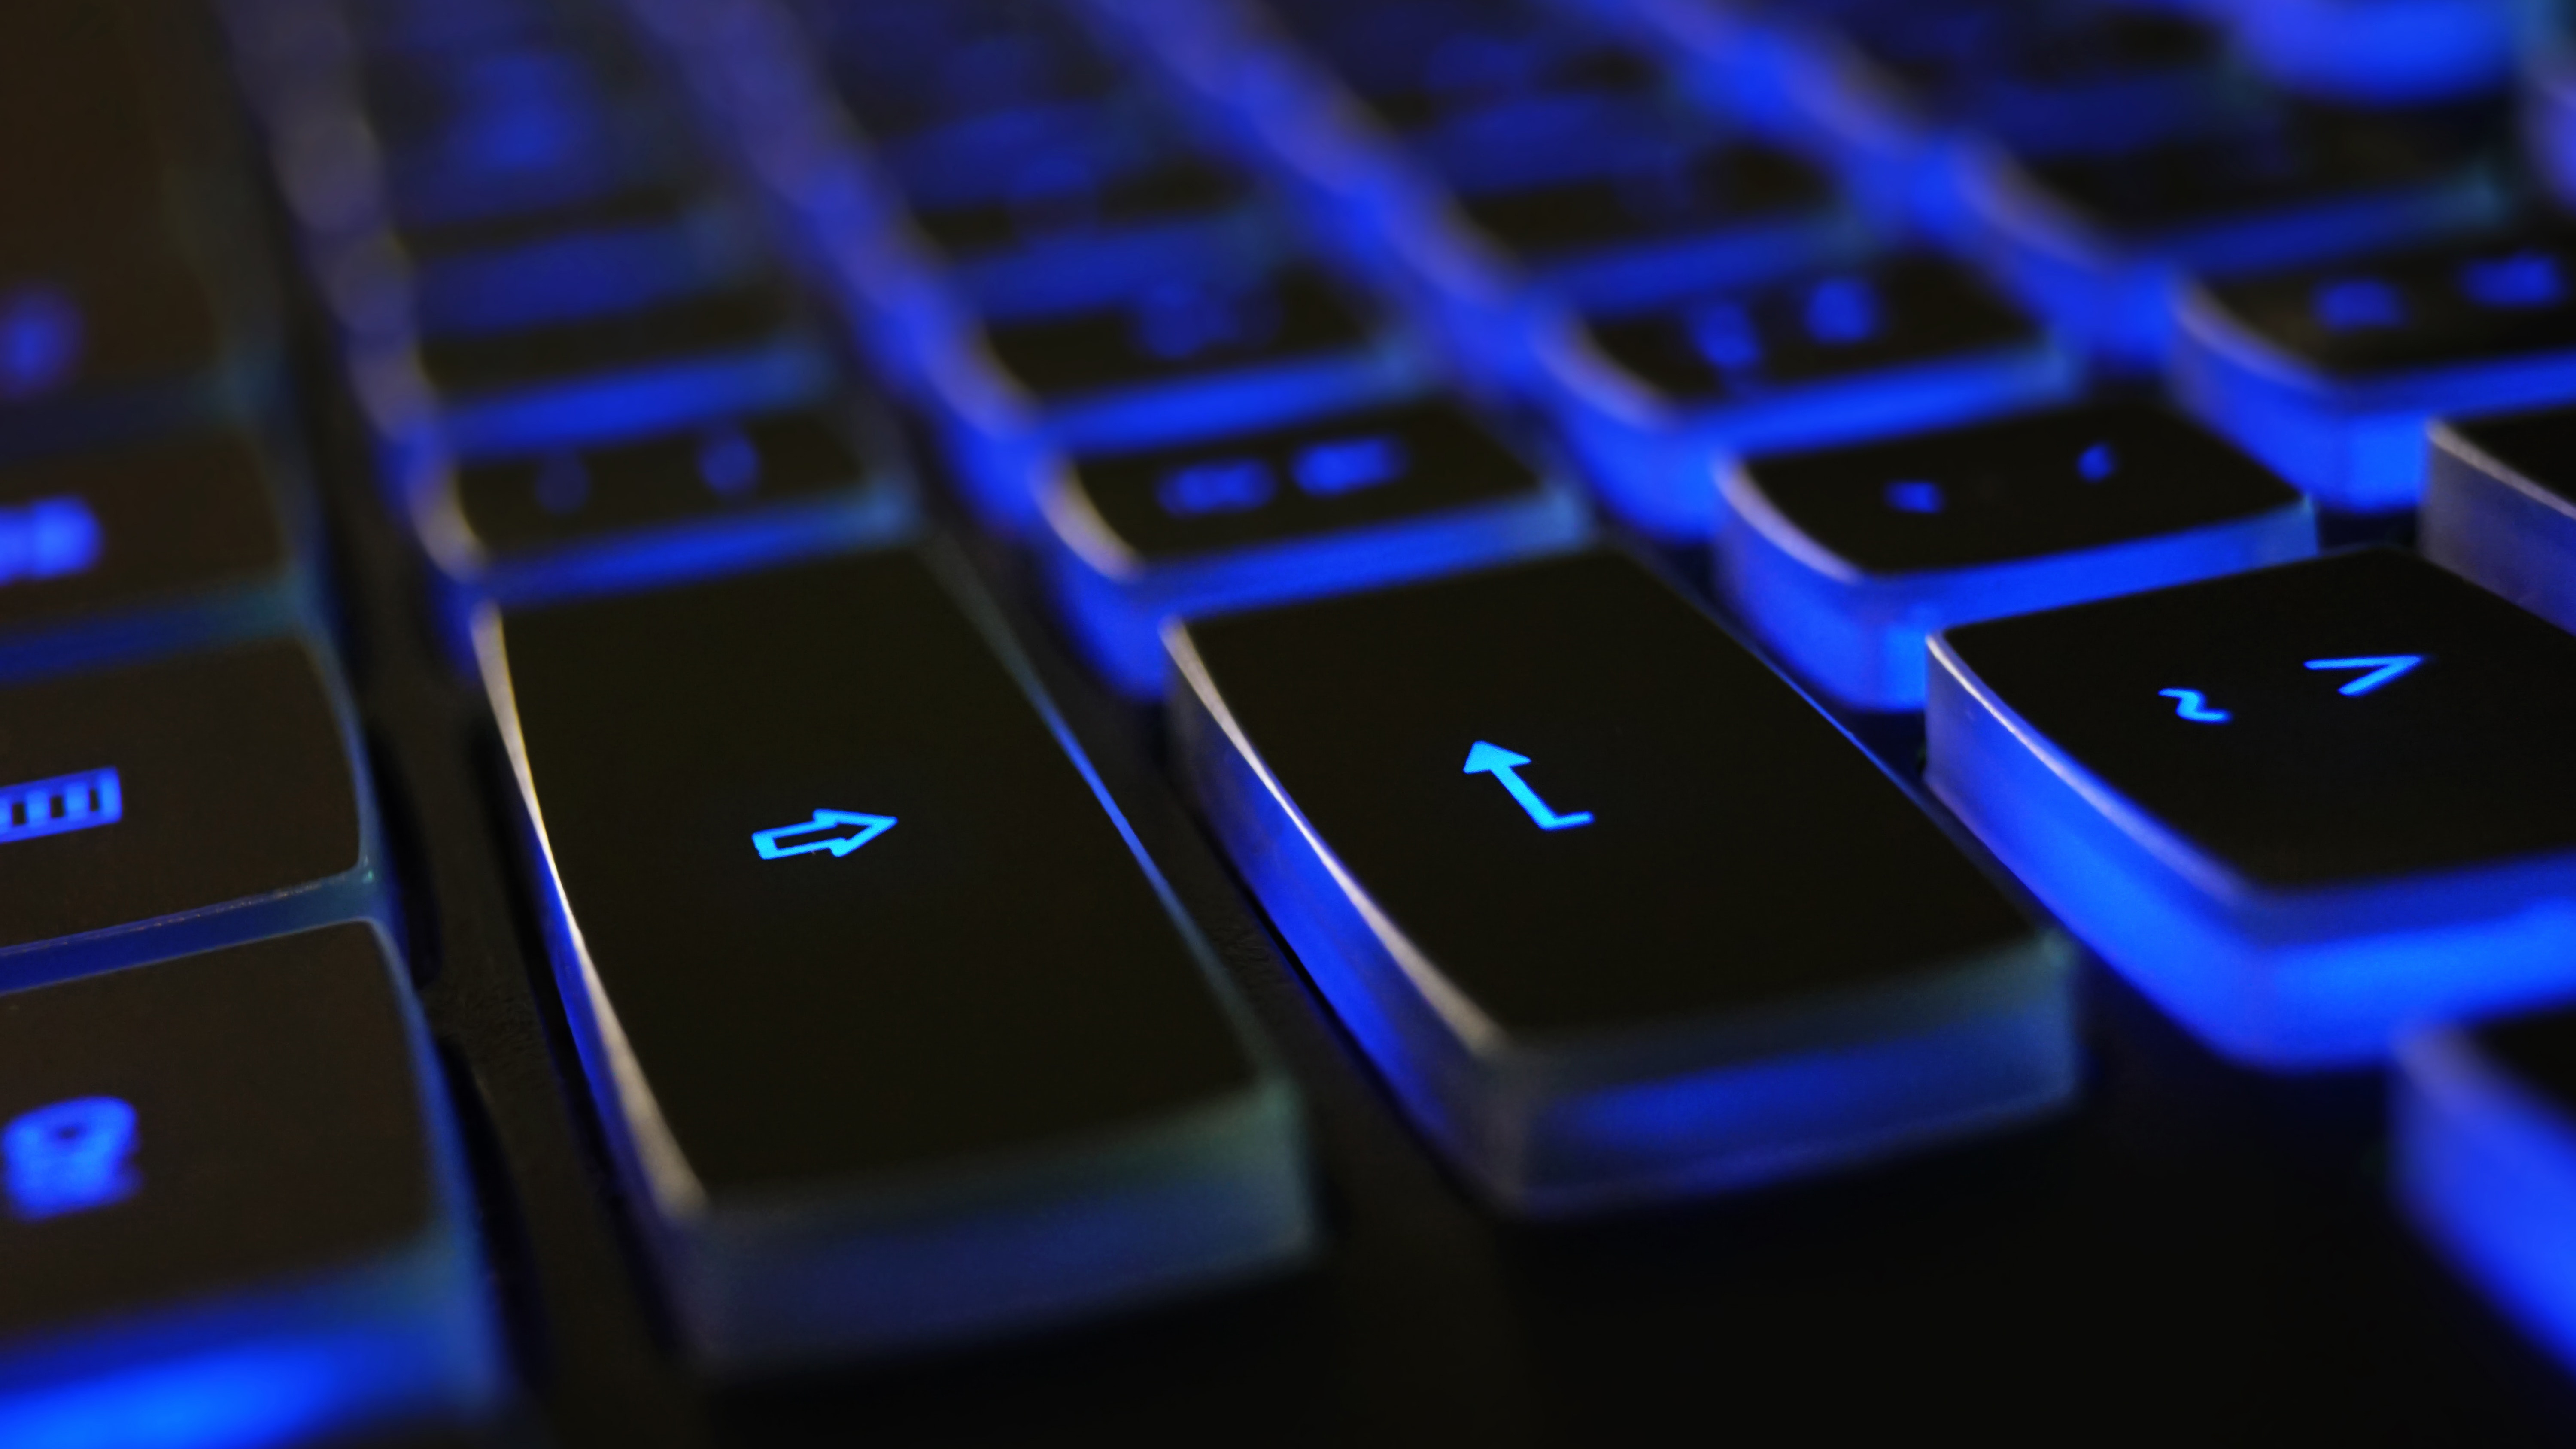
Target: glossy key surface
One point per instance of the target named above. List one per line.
(223, 1166)
(138, 793)
(870, 944)
(1587, 821)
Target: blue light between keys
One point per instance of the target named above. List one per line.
(61, 805)
(51, 538)
(838, 831)
(70, 1157)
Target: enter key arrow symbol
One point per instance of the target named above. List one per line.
(1491, 759)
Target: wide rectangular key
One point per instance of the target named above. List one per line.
(692, 357)
(1190, 356)
(1617, 913)
(2096, 243)
(174, 805)
(2485, 1161)
(2331, 372)
(1843, 559)
(1659, 399)
(630, 513)
(2500, 507)
(898, 1035)
(1345, 502)
(2298, 807)
(232, 1210)
(180, 539)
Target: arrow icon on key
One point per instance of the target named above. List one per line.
(2382, 667)
(838, 831)
(1503, 765)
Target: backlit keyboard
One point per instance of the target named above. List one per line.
(737, 724)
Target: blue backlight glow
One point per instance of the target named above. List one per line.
(838, 831)
(2526, 279)
(2097, 463)
(70, 1157)
(41, 341)
(2192, 705)
(50, 538)
(1504, 765)
(1843, 311)
(2357, 304)
(1914, 495)
(2379, 669)
(61, 805)
(728, 463)
(1726, 336)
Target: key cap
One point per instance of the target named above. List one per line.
(1657, 400)
(2413, 52)
(676, 504)
(2330, 373)
(1617, 914)
(698, 357)
(847, 936)
(2499, 510)
(1342, 503)
(625, 259)
(174, 541)
(1843, 559)
(1189, 357)
(2483, 1165)
(176, 805)
(234, 1209)
(2097, 244)
(2297, 807)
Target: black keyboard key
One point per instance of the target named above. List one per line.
(1347, 502)
(2297, 807)
(2096, 243)
(694, 357)
(180, 539)
(645, 510)
(2331, 372)
(1844, 559)
(1189, 357)
(1617, 912)
(845, 933)
(209, 798)
(2500, 507)
(232, 1212)
(1658, 400)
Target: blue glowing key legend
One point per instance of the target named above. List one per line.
(70, 1157)
(1503, 765)
(50, 538)
(838, 831)
(2378, 669)
(61, 805)
(2192, 705)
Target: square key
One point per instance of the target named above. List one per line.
(1660, 400)
(2098, 244)
(1191, 356)
(174, 541)
(629, 513)
(174, 805)
(2331, 372)
(1346, 502)
(1844, 559)
(2500, 507)
(2297, 807)
(232, 1209)
(1616, 912)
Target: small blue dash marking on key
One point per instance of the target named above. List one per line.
(2192, 705)
(729, 463)
(838, 831)
(1347, 465)
(50, 538)
(1916, 496)
(2526, 279)
(2382, 668)
(61, 805)
(2097, 463)
(1503, 765)
(2358, 304)
(1236, 485)
(1842, 311)
(41, 341)
(70, 1157)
